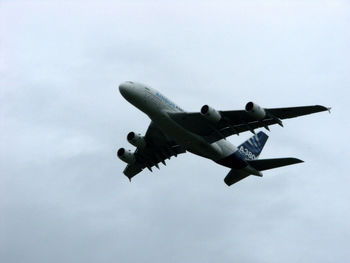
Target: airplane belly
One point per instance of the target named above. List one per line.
(190, 141)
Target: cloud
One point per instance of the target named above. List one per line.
(63, 194)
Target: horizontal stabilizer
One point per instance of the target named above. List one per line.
(266, 164)
(235, 176)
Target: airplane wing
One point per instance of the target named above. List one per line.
(158, 148)
(235, 122)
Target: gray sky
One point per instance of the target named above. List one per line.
(63, 197)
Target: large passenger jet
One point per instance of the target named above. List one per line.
(173, 131)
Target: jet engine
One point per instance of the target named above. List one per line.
(210, 114)
(136, 139)
(255, 111)
(126, 156)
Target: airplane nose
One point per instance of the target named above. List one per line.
(132, 92)
(128, 90)
(123, 88)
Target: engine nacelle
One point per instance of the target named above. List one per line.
(126, 156)
(136, 139)
(255, 111)
(210, 114)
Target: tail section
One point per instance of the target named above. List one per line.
(236, 175)
(249, 153)
(252, 148)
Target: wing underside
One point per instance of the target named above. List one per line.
(157, 150)
(235, 122)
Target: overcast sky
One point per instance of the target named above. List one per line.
(63, 197)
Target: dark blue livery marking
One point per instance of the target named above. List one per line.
(252, 148)
(249, 150)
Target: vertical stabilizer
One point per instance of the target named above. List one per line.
(252, 148)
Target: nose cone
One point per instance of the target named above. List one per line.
(127, 90)
(134, 93)
(123, 88)
(130, 91)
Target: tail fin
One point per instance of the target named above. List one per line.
(252, 148)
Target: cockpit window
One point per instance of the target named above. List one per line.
(130, 82)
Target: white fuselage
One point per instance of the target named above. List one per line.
(158, 107)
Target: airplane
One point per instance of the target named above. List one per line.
(173, 131)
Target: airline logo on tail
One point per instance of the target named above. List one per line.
(252, 148)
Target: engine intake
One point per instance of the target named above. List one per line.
(126, 156)
(210, 114)
(136, 139)
(255, 111)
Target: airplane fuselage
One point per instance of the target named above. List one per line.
(158, 107)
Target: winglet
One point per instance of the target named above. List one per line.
(329, 109)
